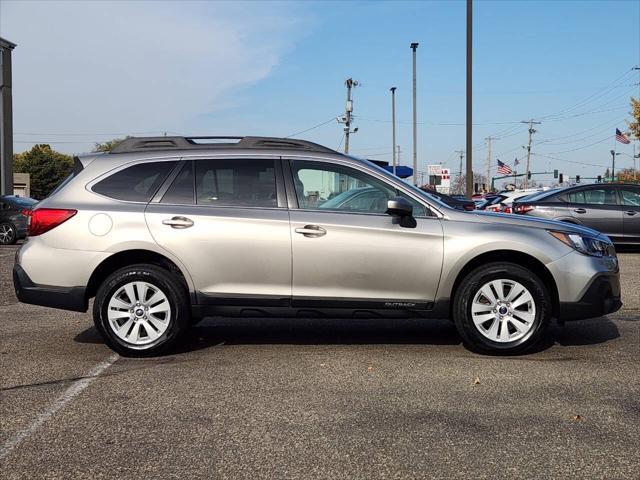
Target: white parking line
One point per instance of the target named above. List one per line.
(70, 393)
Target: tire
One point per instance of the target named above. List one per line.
(141, 310)
(8, 234)
(505, 324)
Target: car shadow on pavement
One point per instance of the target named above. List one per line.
(303, 331)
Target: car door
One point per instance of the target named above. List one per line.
(227, 221)
(597, 207)
(630, 199)
(356, 255)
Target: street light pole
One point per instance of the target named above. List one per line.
(414, 46)
(393, 122)
(469, 185)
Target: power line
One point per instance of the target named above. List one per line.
(311, 128)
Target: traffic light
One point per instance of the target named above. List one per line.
(528, 175)
(599, 178)
(555, 173)
(577, 178)
(561, 179)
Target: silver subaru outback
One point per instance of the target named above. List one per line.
(164, 231)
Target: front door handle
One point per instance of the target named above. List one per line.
(631, 213)
(178, 222)
(579, 210)
(311, 231)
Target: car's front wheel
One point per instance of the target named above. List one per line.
(141, 310)
(501, 308)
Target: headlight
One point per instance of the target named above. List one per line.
(587, 245)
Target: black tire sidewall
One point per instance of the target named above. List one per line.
(14, 239)
(467, 291)
(170, 286)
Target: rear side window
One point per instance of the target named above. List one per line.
(135, 184)
(599, 196)
(236, 182)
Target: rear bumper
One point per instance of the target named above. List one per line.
(601, 298)
(65, 298)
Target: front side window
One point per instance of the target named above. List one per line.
(135, 184)
(324, 186)
(236, 182)
(630, 197)
(596, 196)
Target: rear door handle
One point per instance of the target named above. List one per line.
(178, 222)
(311, 231)
(579, 210)
(631, 213)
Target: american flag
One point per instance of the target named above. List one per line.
(504, 169)
(622, 138)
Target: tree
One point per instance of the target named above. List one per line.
(628, 175)
(459, 183)
(109, 145)
(634, 126)
(46, 168)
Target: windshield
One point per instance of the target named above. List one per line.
(539, 195)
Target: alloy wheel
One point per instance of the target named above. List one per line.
(503, 310)
(6, 234)
(139, 313)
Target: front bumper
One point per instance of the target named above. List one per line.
(65, 298)
(601, 297)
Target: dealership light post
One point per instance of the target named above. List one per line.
(393, 128)
(414, 46)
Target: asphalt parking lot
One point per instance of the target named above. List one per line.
(318, 399)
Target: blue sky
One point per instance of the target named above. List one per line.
(263, 68)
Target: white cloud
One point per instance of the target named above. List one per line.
(102, 67)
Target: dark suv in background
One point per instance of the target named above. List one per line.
(13, 218)
(613, 209)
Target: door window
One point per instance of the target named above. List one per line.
(324, 186)
(596, 196)
(236, 182)
(630, 197)
(182, 189)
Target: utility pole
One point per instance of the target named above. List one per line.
(461, 152)
(531, 132)
(393, 121)
(414, 46)
(351, 84)
(489, 139)
(469, 186)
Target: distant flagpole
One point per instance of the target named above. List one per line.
(613, 162)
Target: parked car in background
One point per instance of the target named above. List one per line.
(503, 204)
(14, 213)
(163, 231)
(483, 202)
(459, 202)
(613, 209)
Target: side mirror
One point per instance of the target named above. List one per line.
(402, 208)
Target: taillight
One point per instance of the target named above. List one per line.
(42, 220)
(507, 209)
(469, 207)
(26, 212)
(523, 208)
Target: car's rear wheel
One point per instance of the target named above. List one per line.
(141, 310)
(501, 308)
(8, 234)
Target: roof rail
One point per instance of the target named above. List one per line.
(144, 144)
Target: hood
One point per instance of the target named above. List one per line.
(535, 222)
